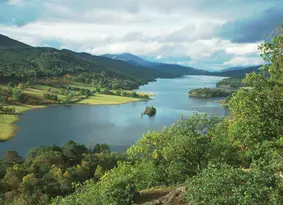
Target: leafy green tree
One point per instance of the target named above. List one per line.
(257, 112)
(150, 111)
(224, 184)
(11, 158)
(118, 93)
(18, 95)
(74, 152)
(27, 84)
(101, 148)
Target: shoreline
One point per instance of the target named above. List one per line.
(8, 122)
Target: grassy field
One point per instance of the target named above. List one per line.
(7, 122)
(100, 99)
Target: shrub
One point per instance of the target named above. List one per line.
(18, 95)
(118, 93)
(48, 96)
(224, 184)
(150, 111)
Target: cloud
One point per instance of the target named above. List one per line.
(244, 61)
(254, 28)
(240, 49)
(159, 57)
(200, 33)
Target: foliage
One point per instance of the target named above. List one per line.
(48, 96)
(51, 171)
(150, 111)
(230, 83)
(209, 92)
(7, 110)
(19, 96)
(224, 184)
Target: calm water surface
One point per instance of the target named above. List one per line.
(117, 125)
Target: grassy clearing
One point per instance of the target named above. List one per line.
(100, 99)
(8, 128)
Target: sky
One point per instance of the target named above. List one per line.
(205, 34)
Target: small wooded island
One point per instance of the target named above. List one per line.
(209, 92)
(150, 111)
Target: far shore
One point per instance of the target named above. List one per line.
(8, 128)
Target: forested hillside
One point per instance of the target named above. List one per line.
(6, 42)
(240, 73)
(19, 62)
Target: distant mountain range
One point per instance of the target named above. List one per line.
(19, 61)
(165, 67)
(238, 73)
(130, 58)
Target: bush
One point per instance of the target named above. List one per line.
(150, 111)
(209, 92)
(18, 95)
(134, 95)
(48, 96)
(224, 184)
(7, 110)
(118, 93)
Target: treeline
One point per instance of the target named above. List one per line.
(230, 83)
(52, 171)
(209, 92)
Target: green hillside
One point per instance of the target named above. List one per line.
(33, 63)
(6, 42)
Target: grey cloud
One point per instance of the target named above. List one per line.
(255, 28)
(205, 8)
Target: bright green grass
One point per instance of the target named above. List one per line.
(100, 99)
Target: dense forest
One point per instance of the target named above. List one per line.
(52, 171)
(232, 160)
(209, 92)
(232, 83)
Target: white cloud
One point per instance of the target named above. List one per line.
(242, 49)
(159, 57)
(244, 61)
(159, 29)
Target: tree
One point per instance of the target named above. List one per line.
(74, 152)
(134, 95)
(257, 112)
(27, 84)
(118, 93)
(150, 111)
(224, 184)
(21, 86)
(101, 148)
(11, 158)
(18, 95)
